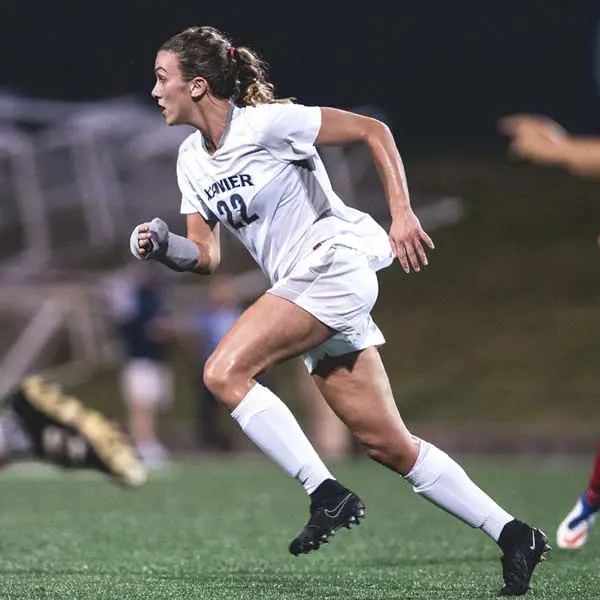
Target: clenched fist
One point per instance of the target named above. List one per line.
(149, 240)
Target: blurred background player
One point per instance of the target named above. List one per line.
(211, 324)
(38, 421)
(543, 141)
(146, 381)
(573, 531)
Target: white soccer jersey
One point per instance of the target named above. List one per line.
(267, 185)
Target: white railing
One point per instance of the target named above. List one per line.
(81, 313)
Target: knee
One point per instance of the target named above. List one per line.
(217, 377)
(226, 379)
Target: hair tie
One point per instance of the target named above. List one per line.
(231, 51)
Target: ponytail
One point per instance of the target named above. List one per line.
(253, 87)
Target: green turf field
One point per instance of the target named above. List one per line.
(220, 530)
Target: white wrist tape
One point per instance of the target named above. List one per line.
(174, 251)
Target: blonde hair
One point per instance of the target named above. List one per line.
(254, 87)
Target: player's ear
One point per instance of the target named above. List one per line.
(198, 87)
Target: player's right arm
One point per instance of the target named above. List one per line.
(206, 236)
(199, 252)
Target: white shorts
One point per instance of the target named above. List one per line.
(336, 285)
(146, 382)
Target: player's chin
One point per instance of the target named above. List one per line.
(172, 118)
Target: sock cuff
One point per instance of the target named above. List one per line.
(428, 468)
(593, 497)
(257, 400)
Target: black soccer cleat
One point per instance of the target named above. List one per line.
(66, 433)
(332, 507)
(523, 549)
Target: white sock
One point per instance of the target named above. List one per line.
(269, 423)
(444, 482)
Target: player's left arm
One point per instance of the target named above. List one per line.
(339, 127)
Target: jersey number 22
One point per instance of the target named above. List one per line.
(236, 208)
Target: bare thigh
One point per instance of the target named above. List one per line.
(357, 388)
(270, 331)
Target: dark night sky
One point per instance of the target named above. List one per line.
(441, 69)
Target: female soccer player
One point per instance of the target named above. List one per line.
(573, 531)
(541, 140)
(252, 166)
